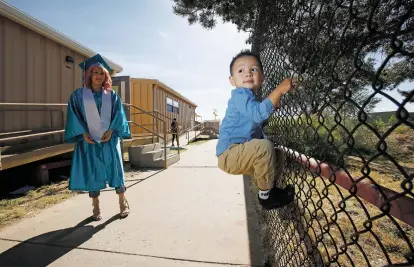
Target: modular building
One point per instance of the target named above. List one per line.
(155, 97)
(38, 72)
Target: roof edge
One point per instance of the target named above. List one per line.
(27, 21)
(161, 84)
(172, 91)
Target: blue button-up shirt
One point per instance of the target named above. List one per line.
(243, 119)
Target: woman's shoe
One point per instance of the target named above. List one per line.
(96, 210)
(124, 207)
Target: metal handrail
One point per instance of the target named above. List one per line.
(23, 131)
(141, 126)
(156, 111)
(190, 128)
(164, 136)
(14, 138)
(187, 130)
(140, 109)
(33, 104)
(139, 113)
(180, 132)
(53, 132)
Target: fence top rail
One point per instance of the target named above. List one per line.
(379, 196)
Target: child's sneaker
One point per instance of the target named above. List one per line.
(278, 197)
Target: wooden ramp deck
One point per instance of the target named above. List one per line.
(13, 160)
(32, 152)
(17, 158)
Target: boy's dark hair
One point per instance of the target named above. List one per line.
(245, 53)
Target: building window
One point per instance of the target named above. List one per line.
(172, 106)
(176, 107)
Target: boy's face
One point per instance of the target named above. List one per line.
(246, 73)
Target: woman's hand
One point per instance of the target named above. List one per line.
(88, 138)
(106, 136)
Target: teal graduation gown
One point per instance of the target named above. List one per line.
(95, 165)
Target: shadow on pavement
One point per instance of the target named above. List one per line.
(44, 249)
(256, 251)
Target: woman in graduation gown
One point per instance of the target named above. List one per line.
(96, 122)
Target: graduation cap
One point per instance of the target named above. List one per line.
(95, 60)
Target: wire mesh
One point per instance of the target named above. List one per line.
(352, 167)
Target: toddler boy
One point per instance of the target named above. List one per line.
(240, 148)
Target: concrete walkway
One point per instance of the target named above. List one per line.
(184, 139)
(191, 214)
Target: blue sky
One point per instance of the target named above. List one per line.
(149, 41)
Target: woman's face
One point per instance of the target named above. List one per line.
(98, 76)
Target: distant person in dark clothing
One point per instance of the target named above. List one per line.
(174, 130)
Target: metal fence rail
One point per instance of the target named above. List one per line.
(352, 170)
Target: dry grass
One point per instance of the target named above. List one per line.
(174, 151)
(199, 141)
(382, 239)
(337, 232)
(383, 172)
(13, 210)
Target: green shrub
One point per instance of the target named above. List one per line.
(402, 129)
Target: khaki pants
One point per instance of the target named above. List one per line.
(256, 158)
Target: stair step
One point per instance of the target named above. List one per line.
(145, 148)
(154, 154)
(171, 159)
(150, 156)
(157, 163)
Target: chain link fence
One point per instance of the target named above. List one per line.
(352, 167)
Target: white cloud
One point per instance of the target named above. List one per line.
(163, 34)
(208, 91)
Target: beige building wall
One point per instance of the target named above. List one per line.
(33, 69)
(149, 95)
(185, 116)
(141, 91)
